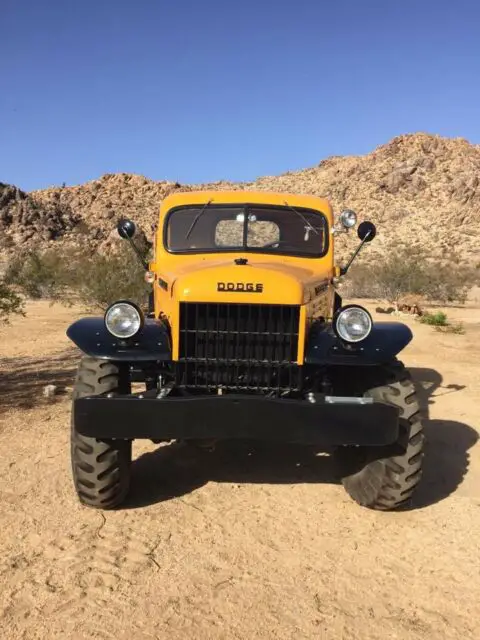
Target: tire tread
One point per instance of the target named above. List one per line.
(101, 469)
(386, 483)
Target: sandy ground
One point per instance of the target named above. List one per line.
(235, 544)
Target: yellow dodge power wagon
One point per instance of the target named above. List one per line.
(246, 338)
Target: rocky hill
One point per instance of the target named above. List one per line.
(418, 189)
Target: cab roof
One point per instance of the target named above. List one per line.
(246, 197)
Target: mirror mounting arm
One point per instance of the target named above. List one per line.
(126, 230)
(366, 233)
(138, 253)
(343, 270)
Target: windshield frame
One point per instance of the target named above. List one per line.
(246, 206)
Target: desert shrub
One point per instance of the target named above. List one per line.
(361, 282)
(410, 271)
(437, 319)
(440, 322)
(402, 273)
(38, 275)
(100, 280)
(10, 302)
(453, 328)
(67, 277)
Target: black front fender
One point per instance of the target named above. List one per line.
(385, 341)
(150, 344)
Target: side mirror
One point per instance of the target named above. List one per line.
(126, 229)
(366, 231)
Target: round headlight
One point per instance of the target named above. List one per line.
(348, 218)
(352, 323)
(123, 319)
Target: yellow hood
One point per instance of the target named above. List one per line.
(254, 282)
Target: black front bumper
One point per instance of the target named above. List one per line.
(236, 416)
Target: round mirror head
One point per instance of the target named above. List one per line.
(367, 231)
(126, 228)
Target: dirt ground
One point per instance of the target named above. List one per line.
(241, 543)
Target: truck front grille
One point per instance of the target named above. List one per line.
(250, 347)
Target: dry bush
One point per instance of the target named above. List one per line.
(409, 271)
(361, 282)
(437, 319)
(10, 302)
(100, 280)
(39, 275)
(70, 277)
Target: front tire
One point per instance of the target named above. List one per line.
(385, 478)
(101, 469)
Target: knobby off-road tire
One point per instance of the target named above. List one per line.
(101, 469)
(385, 478)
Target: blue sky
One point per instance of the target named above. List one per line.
(209, 90)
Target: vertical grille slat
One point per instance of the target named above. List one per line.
(239, 346)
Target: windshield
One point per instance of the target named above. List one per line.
(216, 228)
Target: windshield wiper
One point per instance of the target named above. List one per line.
(300, 215)
(197, 218)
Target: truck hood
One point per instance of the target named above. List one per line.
(254, 282)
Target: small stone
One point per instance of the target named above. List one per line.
(50, 391)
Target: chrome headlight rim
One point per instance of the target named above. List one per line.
(348, 219)
(337, 316)
(139, 324)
